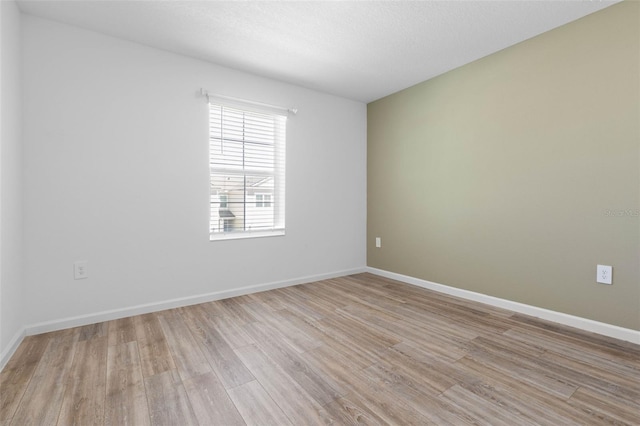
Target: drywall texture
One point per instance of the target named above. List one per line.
(116, 155)
(515, 175)
(11, 247)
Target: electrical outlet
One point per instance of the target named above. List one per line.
(80, 271)
(378, 242)
(604, 274)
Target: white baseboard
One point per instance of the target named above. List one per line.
(585, 324)
(8, 352)
(80, 320)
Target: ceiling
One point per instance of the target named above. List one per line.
(362, 50)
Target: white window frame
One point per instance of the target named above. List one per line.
(219, 228)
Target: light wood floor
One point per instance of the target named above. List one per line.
(359, 349)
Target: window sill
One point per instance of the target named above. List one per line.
(240, 235)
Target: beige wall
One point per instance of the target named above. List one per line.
(501, 177)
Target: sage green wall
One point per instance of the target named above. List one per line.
(515, 175)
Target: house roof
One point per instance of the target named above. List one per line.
(226, 214)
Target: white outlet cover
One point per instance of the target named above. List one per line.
(378, 242)
(80, 270)
(604, 274)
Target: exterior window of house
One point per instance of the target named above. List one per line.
(223, 202)
(263, 200)
(247, 172)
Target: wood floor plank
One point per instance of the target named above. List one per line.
(296, 338)
(256, 406)
(379, 336)
(295, 301)
(232, 332)
(484, 411)
(210, 310)
(168, 401)
(515, 349)
(187, 356)
(93, 331)
(333, 366)
(221, 357)
(84, 399)
(305, 325)
(430, 375)
(621, 385)
(42, 400)
(233, 308)
(439, 303)
(298, 406)
(155, 356)
(435, 343)
(394, 394)
(439, 412)
(437, 323)
(366, 339)
(345, 346)
(348, 412)
(587, 351)
(605, 407)
(552, 409)
(323, 295)
(409, 330)
(16, 375)
(368, 310)
(354, 287)
(325, 336)
(210, 402)
(122, 330)
(292, 363)
(517, 407)
(126, 400)
(594, 343)
(274, 300)
(527, 371)
(386, 398)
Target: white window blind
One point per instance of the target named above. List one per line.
(247, 172)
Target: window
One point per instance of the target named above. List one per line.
(224, 201)
(247, 172)
(263, 200)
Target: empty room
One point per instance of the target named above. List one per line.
(319, 212)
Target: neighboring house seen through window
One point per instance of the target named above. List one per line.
(247, 172)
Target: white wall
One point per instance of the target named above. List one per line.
(11, 277)
(115, 145)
